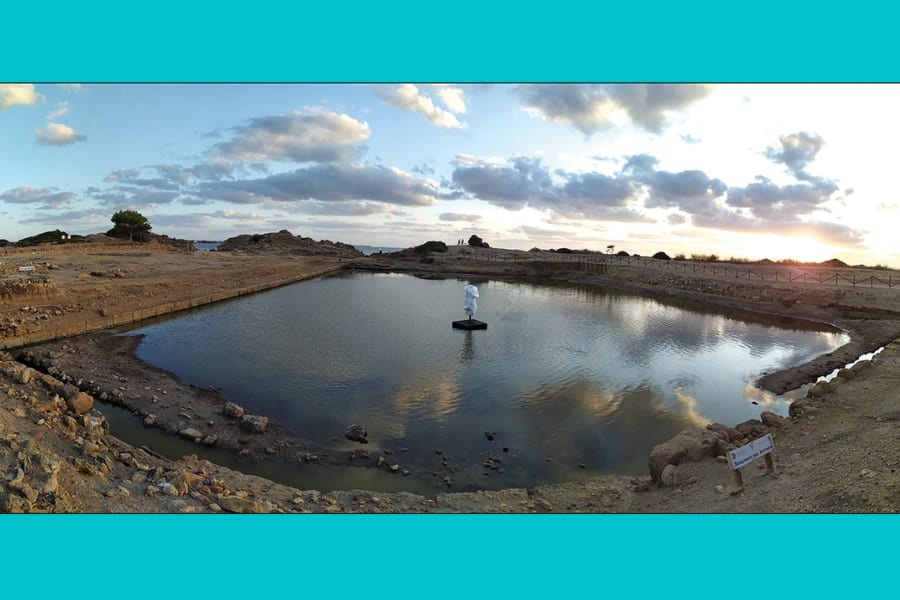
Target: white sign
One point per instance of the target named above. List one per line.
(739, 457)
(23, 269)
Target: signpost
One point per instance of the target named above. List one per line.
(744, 455)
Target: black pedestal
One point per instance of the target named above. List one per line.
(469, 324)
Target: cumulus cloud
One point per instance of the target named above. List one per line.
(590, 107)
(409, 97)
(324, 138)
(453, 98)
(48, 198)
(325, 183)
(524, 181)
(686, 189)
(797, 150)
(57, 134)
(456, 217)
(12, 94)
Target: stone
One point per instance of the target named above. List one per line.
(800, 407)
(692, 444)
(820, 389)
(751, 428)
(770, 419)
(254, 423)
(20, 412)
(235, 504)
(80, 403)
(357, 433)
(846, 374)
(190, 433)
(729, 434)
(149, 420)
(212, 440)
(490, 435)
(668, 477)
(395, 468)
(233, 410)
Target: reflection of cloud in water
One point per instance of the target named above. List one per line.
(583, 422)
(768, 401)
(689, 409)
(434, 398)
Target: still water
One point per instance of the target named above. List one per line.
(573, 381)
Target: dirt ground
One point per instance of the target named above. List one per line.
(838, 453)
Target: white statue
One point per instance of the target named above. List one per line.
(470, 304)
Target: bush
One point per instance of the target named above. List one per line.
(432, 246)
(621, 253)
(661, 256)
(477, 242)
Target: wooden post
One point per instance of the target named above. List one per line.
(770, 464)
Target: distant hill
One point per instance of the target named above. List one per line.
(834, 262)
(285, 241)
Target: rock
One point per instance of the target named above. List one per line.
(233, 410)
(820, 389)
(25, 376)
(254, 424)
(729, 434)
(490, 435)
(190, 433)
(212, 440)
(692, 444)
(720, 489)
(380, 461)
(770, 419)
(668, 477)
(235, 504)
(357, 433)
(800, 407)
(149, 420)
(846, 374)
(80, 403)
(20, 412)
(751, 428)
(395, 468)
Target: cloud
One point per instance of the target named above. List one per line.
(232, 214)
(61, 109)
(90, 216)
(297, 137)
(12, 94)
(685, 189)
(797, 150)
(57, 134)
(453, 98)
(456, 217)
(590, 107)
(524, 182)
(409, 97)
(48, 198)
(325, 183)
(132, 197)
(71, 87)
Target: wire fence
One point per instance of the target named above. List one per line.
(762, 273)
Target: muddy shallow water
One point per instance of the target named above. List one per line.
(568, 381)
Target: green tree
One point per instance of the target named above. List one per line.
(130, 224)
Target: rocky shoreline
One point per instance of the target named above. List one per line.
(59, 456)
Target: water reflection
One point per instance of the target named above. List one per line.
(577, 375)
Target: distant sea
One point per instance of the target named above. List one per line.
(367, 250)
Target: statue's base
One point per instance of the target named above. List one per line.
(469, 324)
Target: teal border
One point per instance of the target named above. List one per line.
(460, 41)
(442, 555)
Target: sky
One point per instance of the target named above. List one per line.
(800, 171)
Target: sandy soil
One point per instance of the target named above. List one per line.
(838, 453)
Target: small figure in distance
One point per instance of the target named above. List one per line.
(470, 305)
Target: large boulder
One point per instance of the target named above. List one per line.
(254, 423)
(692, 444)
(233, 410)
(80, 403)
(357, 433)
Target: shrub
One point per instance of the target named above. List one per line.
(661, 256)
